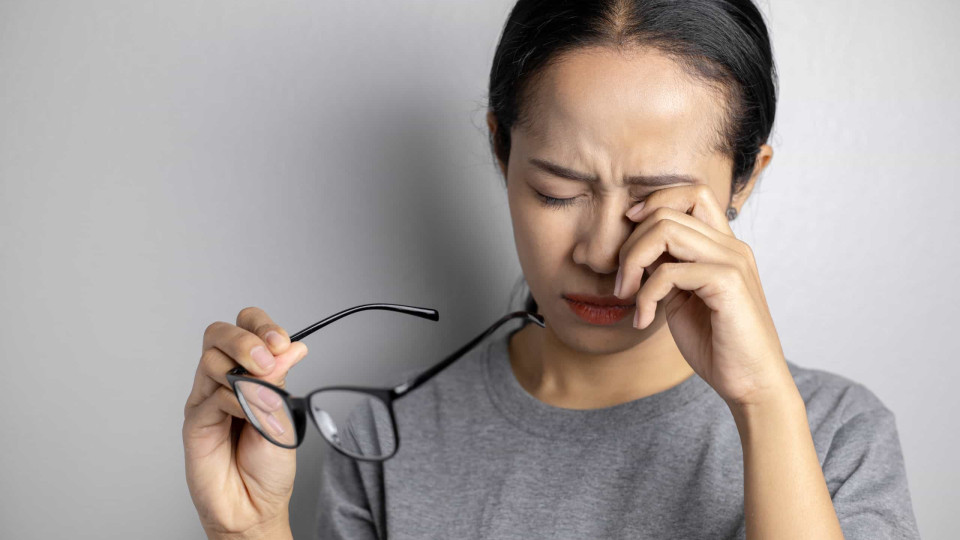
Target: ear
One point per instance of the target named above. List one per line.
(763, 159)
(492, 126)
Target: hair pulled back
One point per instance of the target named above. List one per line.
(722, 42)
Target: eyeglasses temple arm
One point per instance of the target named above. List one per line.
(425, 313)
(437, 368)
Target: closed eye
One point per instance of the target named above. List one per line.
(555, 202)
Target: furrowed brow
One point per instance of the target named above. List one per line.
(654, 180)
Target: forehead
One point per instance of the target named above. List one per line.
(638, 104)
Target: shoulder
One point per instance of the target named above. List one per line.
(831, 397)
(858, 446)
(848, 422)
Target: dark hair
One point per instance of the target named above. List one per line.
(723, 42)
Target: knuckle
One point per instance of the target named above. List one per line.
(262, 329)
(665, 226)
(212, 328)
(207, 358)
(746, 257)
(731, 274)
(704, 192)
(248, 315)
(661, 213)
(663, 270)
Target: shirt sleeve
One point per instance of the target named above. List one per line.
(866, 476)
(344, 511)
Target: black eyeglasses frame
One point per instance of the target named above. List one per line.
(298, 405)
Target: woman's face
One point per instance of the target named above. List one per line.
(607, 116)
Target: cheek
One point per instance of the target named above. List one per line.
(544, 240)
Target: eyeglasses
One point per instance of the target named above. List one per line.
(357, 421)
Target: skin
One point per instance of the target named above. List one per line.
(240, 482)
(607, 114)
(610, 114)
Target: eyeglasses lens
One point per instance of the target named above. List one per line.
(268, 412)
(357, 423)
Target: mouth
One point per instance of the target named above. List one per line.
(602, 301)
(599, 310)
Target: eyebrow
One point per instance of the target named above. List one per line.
(643, 179)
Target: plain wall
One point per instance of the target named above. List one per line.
(166, 164)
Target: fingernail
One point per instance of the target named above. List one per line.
(616, 288)
(274, 339)
(636, 319)
(262, 357)
(275, 424)
(633, 212)
(269, 397)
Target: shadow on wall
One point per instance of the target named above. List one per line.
(424, 232)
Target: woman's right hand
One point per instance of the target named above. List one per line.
(240, 482)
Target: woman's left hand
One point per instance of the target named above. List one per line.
(710, 288)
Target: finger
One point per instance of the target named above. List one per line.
(223, 404)
(667, 236)
(243, 346)
(666, 212)
(698, 200)
(260, 398)
(212, 411)
(274, 423)
(214, 365)
(247, 348)
(256, 320)
(713, 283)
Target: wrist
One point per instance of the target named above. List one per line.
(260, 534)
(278, 529)
(771, 390)
(778, 410)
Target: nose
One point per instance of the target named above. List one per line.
(601, 235)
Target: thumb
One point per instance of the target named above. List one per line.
(284, 361)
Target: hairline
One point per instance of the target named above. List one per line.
(724, 86)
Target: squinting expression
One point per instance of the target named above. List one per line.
(610, 128)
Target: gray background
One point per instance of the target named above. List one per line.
(165, 164)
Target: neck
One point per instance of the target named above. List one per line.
(561, 376)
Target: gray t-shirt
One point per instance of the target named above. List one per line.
(480, 457)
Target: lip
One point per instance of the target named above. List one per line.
(603, 301)
(599, 310)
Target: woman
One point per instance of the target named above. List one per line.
(657, 401)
